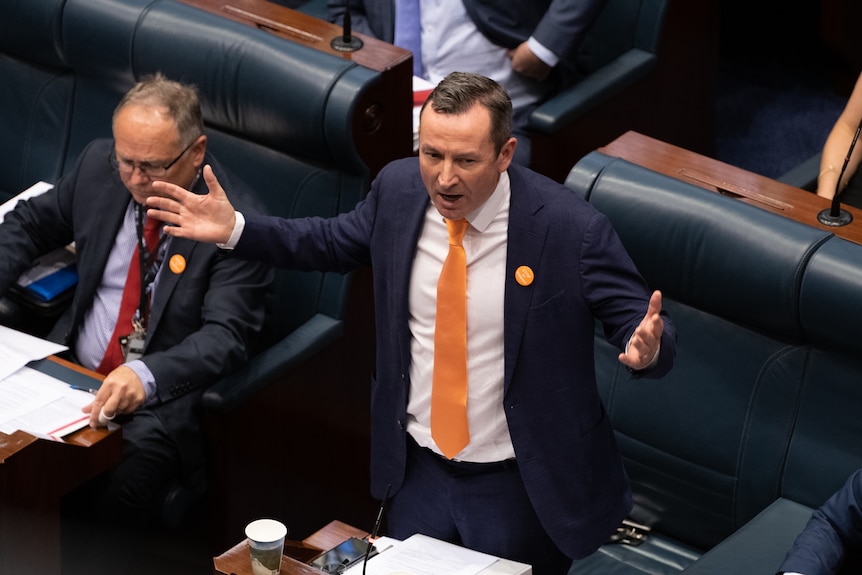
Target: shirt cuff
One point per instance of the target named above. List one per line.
(654, 359)
(238, 227)
(542, 53)
(146, 376)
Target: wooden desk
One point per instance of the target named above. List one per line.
(34, 475)
(236, 560)
(748, 187)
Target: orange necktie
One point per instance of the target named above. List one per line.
(113, 357)
(449, 387)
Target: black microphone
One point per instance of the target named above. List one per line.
(346, 42)
(835, 216)
(376, 528)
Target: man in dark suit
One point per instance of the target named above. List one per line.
(517, 43)
(540, 479)
(198, 312)
(832, 538)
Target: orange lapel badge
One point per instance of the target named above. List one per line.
(524, 275)
(177, 264)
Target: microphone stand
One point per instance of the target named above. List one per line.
(835, 216)
(347, 42)
(375, 529)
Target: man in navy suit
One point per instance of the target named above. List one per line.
(518, 43)
(540, 480)
(203, 310)
(832, 537)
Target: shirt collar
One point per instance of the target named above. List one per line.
(482, 217)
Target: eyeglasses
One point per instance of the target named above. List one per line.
(150, 170)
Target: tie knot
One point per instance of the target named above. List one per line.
(457, 229)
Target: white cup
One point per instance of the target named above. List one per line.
(265, 545)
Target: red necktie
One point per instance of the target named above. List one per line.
(113, 357)
(449, 386)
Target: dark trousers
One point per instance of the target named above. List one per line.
(105, 520)
(481, 506)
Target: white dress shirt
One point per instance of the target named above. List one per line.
(485, 247)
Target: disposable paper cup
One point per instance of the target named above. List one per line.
(265, 545)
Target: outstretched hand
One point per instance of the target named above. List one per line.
(642, 349)
(206, 218)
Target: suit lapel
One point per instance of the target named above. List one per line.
(412, 214)
(168, 279)
(527, 232)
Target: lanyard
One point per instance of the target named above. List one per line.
(149, 267)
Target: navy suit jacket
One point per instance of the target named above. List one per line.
(202, 321)
(559, 25)
(832, 535)
(563, 440)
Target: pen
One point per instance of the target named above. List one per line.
(79, 388)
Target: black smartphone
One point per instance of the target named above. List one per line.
(344, 555)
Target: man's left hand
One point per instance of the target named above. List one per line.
(525, 62)
(643, 347)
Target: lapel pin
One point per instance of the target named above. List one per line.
(177, 264)
(524, 275)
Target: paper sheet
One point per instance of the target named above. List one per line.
(17, 349)
(422, 555)
(40, 404)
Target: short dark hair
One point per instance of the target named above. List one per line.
(180, 100)
(460, 91)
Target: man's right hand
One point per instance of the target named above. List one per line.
(206, 218)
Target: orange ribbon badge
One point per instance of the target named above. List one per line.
(524, 275)
(177, 264)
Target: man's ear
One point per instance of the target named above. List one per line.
(507, 152)
(199, 150)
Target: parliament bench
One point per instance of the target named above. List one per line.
(304, 128)
(758, 422)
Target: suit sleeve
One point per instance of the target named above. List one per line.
(565, 24)
(34, 228)
(617, 293)
(832, 529)
(218, 335)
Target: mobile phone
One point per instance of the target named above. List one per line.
(344, 555)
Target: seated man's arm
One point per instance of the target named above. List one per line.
(835, 526)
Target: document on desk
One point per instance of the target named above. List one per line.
(40, 404)
(17, 349)
(423, 555)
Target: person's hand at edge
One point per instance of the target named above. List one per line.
(643, 347)
(206, 218)
(525, 62)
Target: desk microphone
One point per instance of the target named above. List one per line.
(376, 528)
(347, 42)
(835, 216)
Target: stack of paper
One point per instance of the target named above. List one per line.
(423, 555)
(33, 401)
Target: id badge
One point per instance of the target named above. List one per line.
(133, 345)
